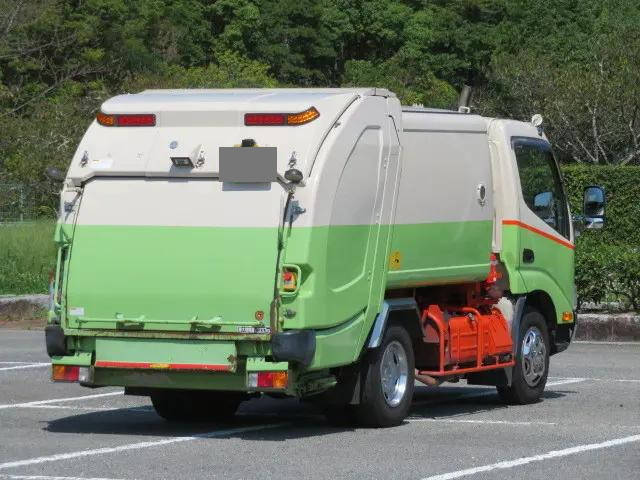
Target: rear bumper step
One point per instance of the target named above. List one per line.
(164, 366)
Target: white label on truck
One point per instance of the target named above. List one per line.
(76, 311)
(258, 330)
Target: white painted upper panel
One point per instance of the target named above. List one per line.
(446, 170)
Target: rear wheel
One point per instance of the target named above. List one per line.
(532, 361)
(387, 381)
(189, 406)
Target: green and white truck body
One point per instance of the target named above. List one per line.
(170, 277)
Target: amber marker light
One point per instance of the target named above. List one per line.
(301, 118)
(268, 119)
(567, 317)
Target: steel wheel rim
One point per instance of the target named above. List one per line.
(534, 356)
(394, 372)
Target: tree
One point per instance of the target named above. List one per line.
(592, 108)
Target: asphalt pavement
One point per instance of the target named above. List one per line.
(587, 426)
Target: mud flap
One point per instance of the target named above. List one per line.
(55, 340)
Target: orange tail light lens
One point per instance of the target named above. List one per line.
(303, 117)
(65, 373)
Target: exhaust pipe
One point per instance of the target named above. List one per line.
(427, 379)
(465, 99)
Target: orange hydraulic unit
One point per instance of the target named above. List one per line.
(468, 340)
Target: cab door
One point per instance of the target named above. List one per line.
(546, 252)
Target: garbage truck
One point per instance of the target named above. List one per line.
(324, 244)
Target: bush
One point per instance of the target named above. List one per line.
(608, 260)
(27, 255)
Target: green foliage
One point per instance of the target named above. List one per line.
(608, 260)
(27, 255)
(622, 188)
(581, 72)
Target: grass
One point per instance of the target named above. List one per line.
(27, 255)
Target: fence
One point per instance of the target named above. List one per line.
(21, 202)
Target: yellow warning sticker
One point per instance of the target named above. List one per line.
(395, 260)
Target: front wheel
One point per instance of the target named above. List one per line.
(532, 361)
(388, 381)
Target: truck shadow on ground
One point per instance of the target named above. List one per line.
(454, 402)
(282, 419)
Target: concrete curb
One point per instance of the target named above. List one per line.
(41, 300)
(609, 327)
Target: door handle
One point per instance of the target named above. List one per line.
(528, 256)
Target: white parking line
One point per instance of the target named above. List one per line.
(597, 379)
(18, 363)
(535, 458)
(136, 446)
(57, 400)
(46, 477)
(72, 407)
(140, 409)
(31, 365)
(489, 422)
(566, 381)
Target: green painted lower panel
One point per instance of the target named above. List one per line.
(160, 350)
(552, 270)
(173, 275)
(339, 345)
(82, 359)
(438, 253)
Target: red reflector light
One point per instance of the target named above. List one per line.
(127, 120)
(65, 373)
(252, 119)
(274, 119)
(136, 120)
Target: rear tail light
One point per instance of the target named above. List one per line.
(289, 281)
(494, 273)
(65, 373)
(278, 380)
(126, 120)
(251, 119)
(276, 119)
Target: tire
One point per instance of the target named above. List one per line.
(532, 367)
(191, 406)
(386, 404)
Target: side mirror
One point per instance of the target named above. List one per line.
(594, 207)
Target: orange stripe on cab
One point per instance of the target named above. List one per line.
(537, 231)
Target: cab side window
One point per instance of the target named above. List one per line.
(541, 185)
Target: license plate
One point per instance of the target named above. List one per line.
(248, 164)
